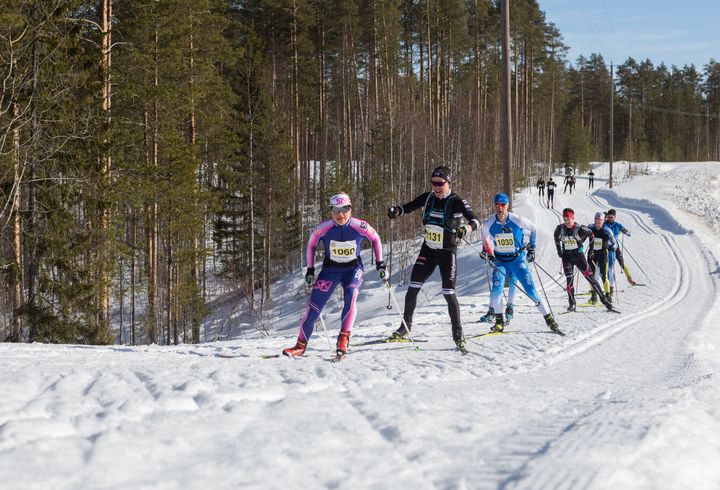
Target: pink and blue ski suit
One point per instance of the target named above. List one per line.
(341, 265)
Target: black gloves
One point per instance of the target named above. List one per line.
(487, 256)
(393, 212)
(530, 257)
(309, 278)
(382, 270)
(461, 232)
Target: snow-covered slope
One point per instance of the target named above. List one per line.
(623, 401)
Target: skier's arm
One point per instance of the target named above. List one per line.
(369, 232)
(462, 206)
(556, 237)
(416, 203)
(315, 237)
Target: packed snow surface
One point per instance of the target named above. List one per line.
(623, 401)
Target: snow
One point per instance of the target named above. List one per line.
(623, 401)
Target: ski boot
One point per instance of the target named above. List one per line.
(499, 324)
(593, 297)
(296, 351)
(459, 339)
(400, 333)
(551, 323)
(509, 312)
(342, 343)
(488, 317)
(572, 306)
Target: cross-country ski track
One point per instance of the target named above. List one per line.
(622, 401)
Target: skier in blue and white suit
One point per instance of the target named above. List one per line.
(509, 241)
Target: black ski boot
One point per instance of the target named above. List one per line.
(593, 297)
(459, 339)
(551, 323)
(401, 333)
(499, 326)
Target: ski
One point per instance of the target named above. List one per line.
(388, 340)
(559, 332)
(598, 304)
(486, 334)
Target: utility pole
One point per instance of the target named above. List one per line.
(612, 122)
(506, 104)
(707, 130)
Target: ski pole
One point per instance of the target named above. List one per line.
(488, 261)
(392, 240)
(633, 259)
(550, 276)
(542, 286)
(402, 316)
(327, 336)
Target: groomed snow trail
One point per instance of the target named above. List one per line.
(623, 401)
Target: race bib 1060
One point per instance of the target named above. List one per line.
(434, 236)
(343, 252)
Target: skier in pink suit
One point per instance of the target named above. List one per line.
(342, 236)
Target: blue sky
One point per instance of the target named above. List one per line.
(675, 32)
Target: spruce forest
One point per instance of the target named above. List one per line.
(157, 155)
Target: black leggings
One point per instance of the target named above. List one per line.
(424, 266)
(600, 260)
(569, 262)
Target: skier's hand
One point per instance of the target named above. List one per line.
(309, 278)
(487, 256)
(530, 257)
(627, 233)
(461, 232)
(393, 212)
(382, 271)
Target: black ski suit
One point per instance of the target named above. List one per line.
(569, 245)
(441, 217)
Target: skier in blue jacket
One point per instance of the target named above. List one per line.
(616, 228)
(509, 242)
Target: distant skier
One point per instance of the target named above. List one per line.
(551, 185)
(617, 228)
(442, 214)
(342, 236)
(505, 243)
(591, 179)
(568, 183)
(573, 180)
(569, 237)
(540, 184)
(603, 242)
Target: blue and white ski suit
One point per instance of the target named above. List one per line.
(508, 241)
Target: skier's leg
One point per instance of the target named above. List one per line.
(423, 268)
(323, 289)
(352, 280)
